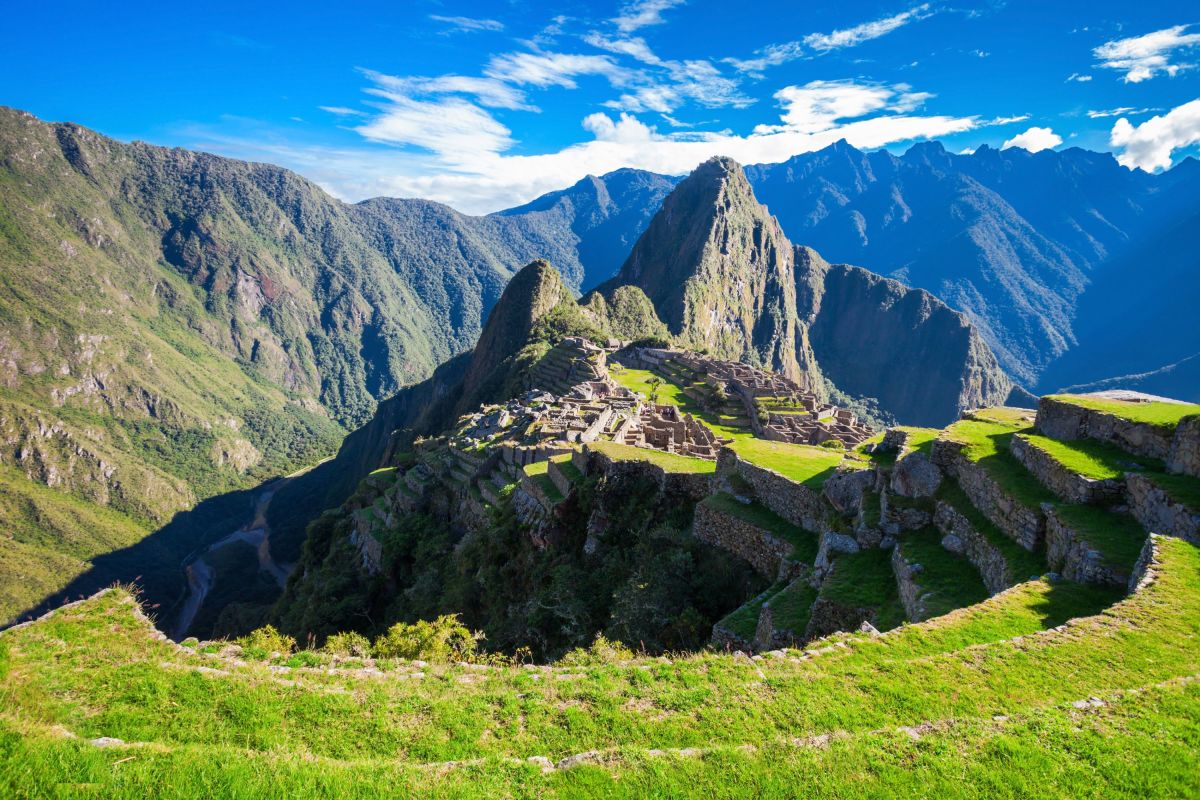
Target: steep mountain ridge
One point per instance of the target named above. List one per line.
(724, 278)
(1011, 238)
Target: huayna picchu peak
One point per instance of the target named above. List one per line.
(632, 489)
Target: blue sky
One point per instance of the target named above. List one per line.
(487, 105)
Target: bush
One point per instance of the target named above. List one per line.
(265, 642)
(602, 651)
(444, 639)
(833, 444)
(305, 658)
(348, 644)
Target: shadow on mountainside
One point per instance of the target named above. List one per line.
(156, 563)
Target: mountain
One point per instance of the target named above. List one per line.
(598, 219)
(719, 272)
(176, 326)
(724, 278)
(875, 337)
(1011, 238)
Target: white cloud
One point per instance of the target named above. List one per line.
(488, 92)
(1149, 145)
(967, 151)
(342, 111)
(468, 23)
(1143, 57)
(775, 54)
(1008, 120)
(1034, 139)
(553, 69)
(451, 127)
(1078, 78)
(1123, 111)
(850, 37)
(643, 13)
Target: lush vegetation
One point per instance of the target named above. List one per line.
(987, 712)
(670, 462)
(1116, 535)
(1091, 458)
(804, 543)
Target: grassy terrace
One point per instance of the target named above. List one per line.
(1166, 415)
(865, 580)
(804, 543)
(986, 442)
(744, 619)
(999, 714)
(1118, 537)
(920, 440)
(1184, 488)
(952, 581)
(1091, 458)
(670, 462)
(1023, 563)
(798, 462)
(792, 607)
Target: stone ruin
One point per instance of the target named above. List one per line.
(812, 422)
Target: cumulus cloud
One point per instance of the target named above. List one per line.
(642, 14)
(1143, 57)
(1149, 146)
(1034, 140)
(468, 24)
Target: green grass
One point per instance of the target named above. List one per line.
(952, 581)
(865, 580)
(1118, 537)
(1164, 415)
(920, 440)
(792, 607)
(1184, 488)
(536, 468)
(1023, 563)
(743, 621)
(804, 543)
(998, 708)
(670, 462)
(548, 488)
(797, 462)
(986, 443)
(1091, 458)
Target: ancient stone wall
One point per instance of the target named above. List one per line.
(829, 616)
(759, 547)
(1067, 485)
(793, 501)
(912, 596)
(1184, 456)
(1075, 559)
(1024, 525)
(1066, 421)
(1160, 513)
(692, 486)
(960, 536)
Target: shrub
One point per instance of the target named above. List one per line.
(305, 658)
(444, 639)
(602, 651)
(833, 444)
(349, 644)
(265, 642)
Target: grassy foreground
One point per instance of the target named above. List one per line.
(993, 700)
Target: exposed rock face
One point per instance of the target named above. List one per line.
(718, 270)
(914, 476)
(1068, 485)
(873, 337)
(1069, 554)
(844, 490)
(721, 274)
(908, 576)
(1160, 513)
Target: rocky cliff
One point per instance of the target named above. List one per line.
(872, 335)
